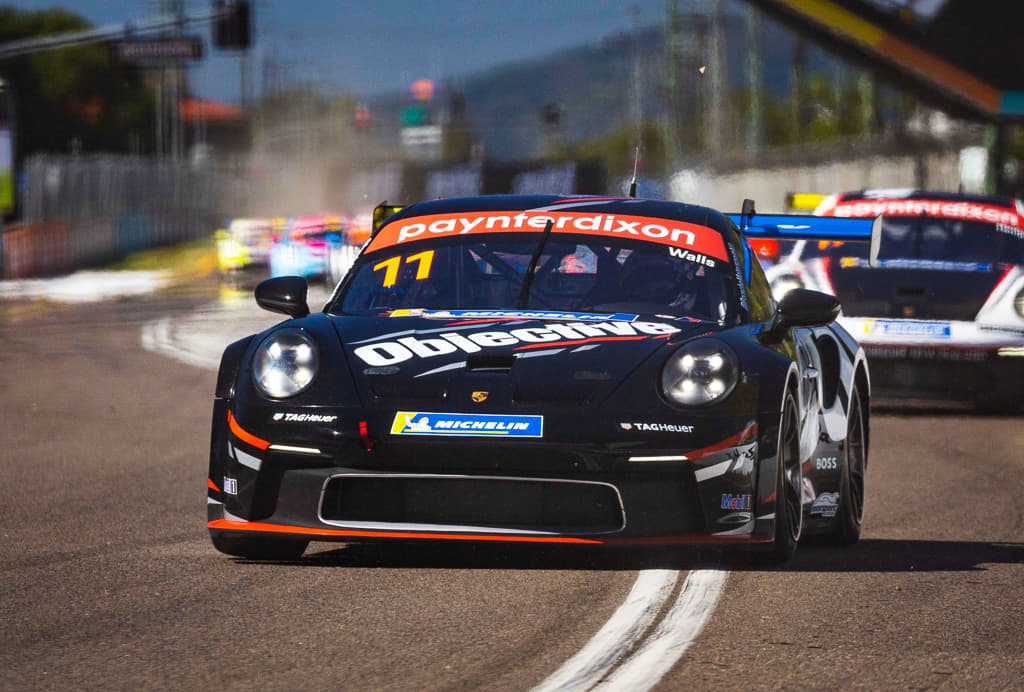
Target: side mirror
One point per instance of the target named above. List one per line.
(802, 307)
(285, 294)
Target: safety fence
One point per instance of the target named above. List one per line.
(80, 211)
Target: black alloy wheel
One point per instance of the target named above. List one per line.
(851, 483)
(789, 485)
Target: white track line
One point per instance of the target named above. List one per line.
(584, 670)
(673, 635)
(589, 669)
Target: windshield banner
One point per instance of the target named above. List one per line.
(664, 231)
(942, 209)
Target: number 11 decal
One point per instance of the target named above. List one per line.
(390, 266)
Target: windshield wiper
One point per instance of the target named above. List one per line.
(524, 292)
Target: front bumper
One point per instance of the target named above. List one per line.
(539, 493)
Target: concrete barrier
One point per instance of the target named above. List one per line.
(34, 249)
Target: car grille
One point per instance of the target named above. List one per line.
(495, 503)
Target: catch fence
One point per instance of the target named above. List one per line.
(79, 211)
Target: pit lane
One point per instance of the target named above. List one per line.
(109, 578)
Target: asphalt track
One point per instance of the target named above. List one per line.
(109, 580)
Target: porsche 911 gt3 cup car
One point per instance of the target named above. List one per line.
(303, 248)
(941, 315)
(548, 370)
(246, 243)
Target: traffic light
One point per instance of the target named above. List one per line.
(233, 29)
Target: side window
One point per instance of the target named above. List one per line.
(759, 292)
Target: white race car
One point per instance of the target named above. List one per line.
(940, 313)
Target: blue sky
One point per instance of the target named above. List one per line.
(372, 46)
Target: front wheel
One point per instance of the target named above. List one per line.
(789, 484)
(260, 548)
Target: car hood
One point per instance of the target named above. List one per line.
(451, 362)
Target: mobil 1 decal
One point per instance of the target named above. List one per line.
(678, 234)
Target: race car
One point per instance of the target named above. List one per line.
(304, 247)
(546, 370)
(246, 243)
(941, 314)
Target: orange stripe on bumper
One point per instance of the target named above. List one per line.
(262, 527)
(245, 436)
(211, 485)
(747, 434)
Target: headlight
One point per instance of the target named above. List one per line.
(784, 284)
(700, 373)
(285, 363)
(1018, 303)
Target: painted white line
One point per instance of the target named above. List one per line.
(673, 635)
(648, 596)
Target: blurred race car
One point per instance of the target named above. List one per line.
(305, 244)
(547, 370)
(342, 256)
(941, 315)
(246, 243)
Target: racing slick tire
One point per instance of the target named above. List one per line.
(850, 514)
(260, 548)
(789, 483)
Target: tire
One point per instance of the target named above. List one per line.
(850, 514)
(789, 484)
(260, 548)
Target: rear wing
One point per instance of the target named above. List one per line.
(382, 212)
(803, 227)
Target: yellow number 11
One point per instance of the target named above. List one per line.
(390, 266)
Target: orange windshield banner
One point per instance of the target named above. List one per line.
(656, 230)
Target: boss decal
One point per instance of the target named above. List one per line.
(826, 463)
(466, 425)
(391, 352)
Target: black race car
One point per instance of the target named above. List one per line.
(543, 369)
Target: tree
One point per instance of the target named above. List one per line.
(73, 97)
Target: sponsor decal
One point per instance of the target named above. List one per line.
(230, 486)
(826, 505)
(657, 427)
(1006, 217)
(691, 256)
(826, 463)
(730, 501)
(382, 353)
(514, 315)
(665, 231)
(466, 424)
(912, 328)
(477, 397)
(901, 352)
(284, 417)
(935, 265)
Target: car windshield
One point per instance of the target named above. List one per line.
(573, 273)
(933, 239)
